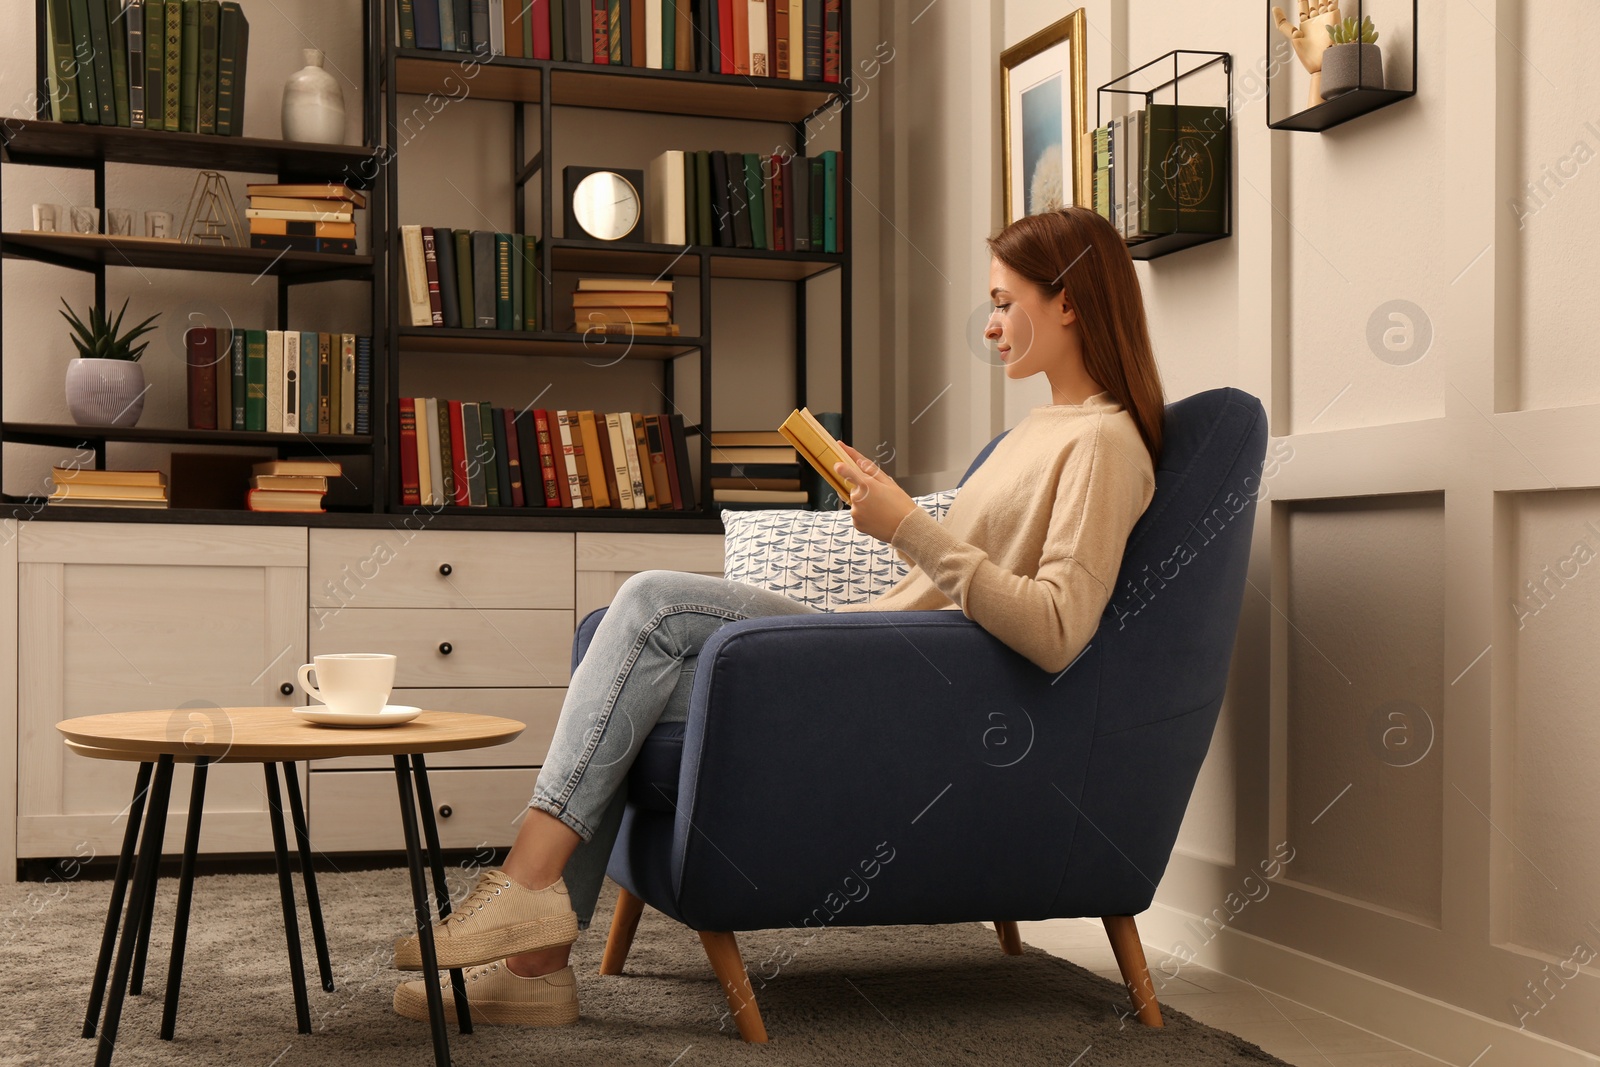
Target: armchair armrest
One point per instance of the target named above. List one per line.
(870, 767)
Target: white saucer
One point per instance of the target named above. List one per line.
(391, 715)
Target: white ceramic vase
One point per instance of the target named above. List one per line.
(313, 104)
(105, 392)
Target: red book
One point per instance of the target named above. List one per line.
(603, 438)
(601, 33)
(772, 38)
(458, 454)
(540, 13)
(781, 56)
(430, 257)
(513, 458)
(410, 477)
(741, 36)
(556, 492)
(200, 353)
(725, 34)
(832, 20)
(670, 451)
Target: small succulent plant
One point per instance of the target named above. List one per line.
(1348, 32)
(103, 339)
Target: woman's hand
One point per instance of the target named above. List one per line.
(877, 503)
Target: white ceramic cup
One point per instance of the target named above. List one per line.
(351, 683)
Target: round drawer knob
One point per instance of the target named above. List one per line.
(445, 648)
(446, 570)
(445, 811)
(287, 689)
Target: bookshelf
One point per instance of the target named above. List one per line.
(40, 141)
(613, 93)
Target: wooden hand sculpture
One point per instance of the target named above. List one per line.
(1310, 38)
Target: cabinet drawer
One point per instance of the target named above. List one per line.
(359, 811)
(482, 569)
(486, 648)
(539, 708)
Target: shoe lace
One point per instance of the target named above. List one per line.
(489, 886)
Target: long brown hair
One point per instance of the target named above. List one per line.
(1077, 252)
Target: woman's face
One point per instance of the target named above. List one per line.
(1031, 331)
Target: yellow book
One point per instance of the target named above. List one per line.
(817, 447)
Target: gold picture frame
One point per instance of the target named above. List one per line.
(1044, 80)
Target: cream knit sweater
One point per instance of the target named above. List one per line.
(1032, 543)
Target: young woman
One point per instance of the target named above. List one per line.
(1029, 550)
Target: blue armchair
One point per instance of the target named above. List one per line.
(955, 781)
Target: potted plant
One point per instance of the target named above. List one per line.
(105, 385)
(1351, 44)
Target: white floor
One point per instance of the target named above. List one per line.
(1293, 1032)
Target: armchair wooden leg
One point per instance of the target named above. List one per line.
(1010, 938)
(1125, 946)
(624, 924)
(723, 951)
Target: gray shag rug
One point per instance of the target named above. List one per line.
(901, 994)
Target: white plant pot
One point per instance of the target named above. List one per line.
(105, 392)
(313, 104)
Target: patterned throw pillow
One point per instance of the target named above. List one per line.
(815, 557)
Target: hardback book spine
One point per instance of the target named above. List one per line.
(641, 449)
(347, 383)
(617, 31)
(228, 17)
(558, 30)
(767, 174)
(502, 281)
(658, 30)
(363, 421)
(463, 23)
(430, 270)
(630, 456)
(830, 201)
(797, 48)
(63, 77)
(753, 196)
(410, 484)
(533, 484)
(680, 450)
(618, 476)
(255, 380)
(832, 39)
(408, 24)
(447, 25)
(663, 181)
(483, 28)
(636, 26)
(238, 365)
(416, 268)
(818, 203)
(532, 291)
(725, 31)
(799, 188)
(486, 452)
(658, 462)
(224, 377)
(722, 207)
(514, 262)
(710, 41)
(189, 68)
(600, 31)
(426, 470)
(429, 28)
(500, 490)
(684, 36)
(309, 344)
(465, 297)
(325, 380)
(477, 456)
(206, 105)
(291, 381)
(608, 458)
(444, 251)
(236, 126)
(569, 458)
(97, 60)
(780, 222)
(133, 16)
(450, 493)
(117, 35)
(538, 17)
(172, 67)
(200, 348)
(772, 36)
(813, 40)
(690, 200)
(513, 453)
(741, 36)
(670, 451)
(756, 15)
(580, 32)
(155, 49)
(274, 381)
(704, 197)
(591, 465)
(460, 458)
(483, 279)
(553, 478)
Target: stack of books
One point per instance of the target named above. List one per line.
(290, 485)
(148, 64)
(471, 279)
(1162, 169)
(308, 217)
(798, 40)
(783, 203)
(753, 469)
(623, 305)
(279, 381)
(471, 454)
(108, 489)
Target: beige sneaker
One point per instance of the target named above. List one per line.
(501, 918)
(499, 997)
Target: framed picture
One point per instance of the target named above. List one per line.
(1042, 94)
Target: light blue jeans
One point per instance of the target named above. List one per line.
(637, 671)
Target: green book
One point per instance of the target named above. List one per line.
(117, 33)
(64, 85)
(133, 15)
(830, 198)
(819, 195)
(464, 295)
(558, 31)
(502, 281)
(614, 36)
(752, 192)
(1201, 172)
(104, 87)
(206, 106)
(446, 453)
(408, 25)
(530, 282)
(669, 33)
(255, 384)
(489, 464)
(83, 45)
(172, 65)
(155, 49)
(514, 255)
(189, 68)
(228, 22)
(335, 390)
(526, 22)
(237, 360)
(702, 192)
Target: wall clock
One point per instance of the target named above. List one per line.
(604, 204)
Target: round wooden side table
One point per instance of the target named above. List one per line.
(269, 736)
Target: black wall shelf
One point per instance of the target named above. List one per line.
(1346, 106)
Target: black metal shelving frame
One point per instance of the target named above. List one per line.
(41, 141)
(1145, 248)
(1357, 102)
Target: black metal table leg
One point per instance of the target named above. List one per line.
(291, 924)
(144, 883)
(422, 913)
(119, 889)
(180, 922)
(302, 836)
(141, 948)
(441, 888)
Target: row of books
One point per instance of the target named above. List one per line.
(471, 279)
(471, 454)
(279, 381)
(148, 64)
(280, 485)
(623, 306)
(745, 200)
(798, 40)
(306, 217)
(1161, 169)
